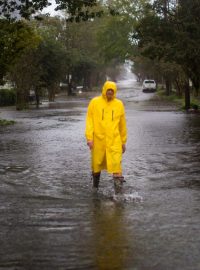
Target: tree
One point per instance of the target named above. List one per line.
(25, 73)
(171, 34)
(15, 38)
(25, 8)
(19, 44)
(113, 39)
(116, 35)
(52, 61)
(41, 66)
(85, 64)
(188, 39)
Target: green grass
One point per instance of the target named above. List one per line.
(180, 101)
(195, 103)
(4, 122)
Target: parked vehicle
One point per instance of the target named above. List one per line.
(149, 86)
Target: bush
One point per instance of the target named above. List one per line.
(7, 97)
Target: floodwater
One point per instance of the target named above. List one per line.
(51, 219)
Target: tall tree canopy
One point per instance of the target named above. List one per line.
(25, 8)
(170, 33)
(15, 38)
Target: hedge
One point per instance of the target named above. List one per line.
(7, 97)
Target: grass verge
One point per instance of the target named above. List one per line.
(179, 101)
(4, 122)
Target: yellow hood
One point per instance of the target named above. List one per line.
(109, 85)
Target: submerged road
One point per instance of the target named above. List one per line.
(49, 216)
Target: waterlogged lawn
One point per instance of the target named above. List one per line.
(180, 101)
(4, 122)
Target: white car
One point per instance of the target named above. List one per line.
(149, 86)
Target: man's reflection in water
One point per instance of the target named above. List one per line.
(110, 239)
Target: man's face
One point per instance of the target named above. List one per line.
(109, 94)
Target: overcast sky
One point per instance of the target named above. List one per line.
(51, 8)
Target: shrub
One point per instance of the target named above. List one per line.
(7, 97)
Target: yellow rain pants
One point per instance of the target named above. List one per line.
(106, 127)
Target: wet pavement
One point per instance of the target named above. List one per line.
(51, 219)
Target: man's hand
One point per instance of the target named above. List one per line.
(90, 144)
(123, 148)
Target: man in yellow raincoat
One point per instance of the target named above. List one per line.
(106, 133)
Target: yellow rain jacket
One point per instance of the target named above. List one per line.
(106, 127)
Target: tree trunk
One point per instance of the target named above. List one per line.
(21, 100)
(187, 95)
(69, 89)
(37, 97)
(178, 88)
(51, 93)
(168, 86)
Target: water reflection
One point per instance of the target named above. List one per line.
(110, 236)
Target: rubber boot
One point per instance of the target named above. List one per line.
(118, 184)
(96, 178)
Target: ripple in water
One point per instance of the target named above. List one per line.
(120, 196)
(127, 198)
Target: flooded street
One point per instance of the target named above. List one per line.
(49, 216)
